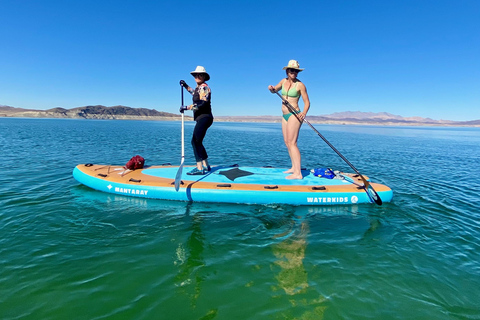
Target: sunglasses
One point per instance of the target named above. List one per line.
(292, 71)
(198, 75)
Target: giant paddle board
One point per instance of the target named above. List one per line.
(229, 184)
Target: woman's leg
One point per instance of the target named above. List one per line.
(205, 164)
(292, 131)
(199, 132)
(284, 131)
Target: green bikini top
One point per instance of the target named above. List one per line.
(292, 92)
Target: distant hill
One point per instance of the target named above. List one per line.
(90, 112)
(383, 118)
(128, 113)
(359, 117)
(8, 109)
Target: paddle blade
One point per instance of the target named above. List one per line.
(178, 177)
(373, 195)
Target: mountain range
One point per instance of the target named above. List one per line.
(128, 113)
(89, 112)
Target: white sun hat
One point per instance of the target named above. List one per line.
(293, 64)
(201, 69)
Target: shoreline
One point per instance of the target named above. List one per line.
(100, 112)
(251, 119)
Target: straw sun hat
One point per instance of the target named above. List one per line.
(293, 64)
(201, 69)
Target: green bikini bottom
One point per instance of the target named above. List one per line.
(286, 116)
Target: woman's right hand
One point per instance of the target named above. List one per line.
(272, 89)
(184, 84)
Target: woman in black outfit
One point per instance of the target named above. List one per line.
(202, 114)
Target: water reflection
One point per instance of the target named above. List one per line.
(291, 266)
(291, 274)
(189, 259)
(290, 253)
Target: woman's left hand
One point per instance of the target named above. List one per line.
(301, 115)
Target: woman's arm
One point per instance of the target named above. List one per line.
(277, 87)
(205, 95)
(306, 100)
(186, 86)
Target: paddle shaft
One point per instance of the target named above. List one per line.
(294, 112)
(183, 131)
(178, 176)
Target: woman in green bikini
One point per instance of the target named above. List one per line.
(292, 89)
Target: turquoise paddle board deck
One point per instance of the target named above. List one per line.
(229, 184)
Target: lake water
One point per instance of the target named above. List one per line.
(69, 252)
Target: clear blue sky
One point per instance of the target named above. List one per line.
(406, 57)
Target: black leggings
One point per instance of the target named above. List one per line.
(203, 123)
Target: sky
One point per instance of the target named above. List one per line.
(404, 57)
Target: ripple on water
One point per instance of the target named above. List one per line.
(65, 246)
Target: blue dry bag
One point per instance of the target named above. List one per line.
(324, 172)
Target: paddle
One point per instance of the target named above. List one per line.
(366, 185)
(180, 169)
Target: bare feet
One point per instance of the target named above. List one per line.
(295, 177)
(288, 171)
